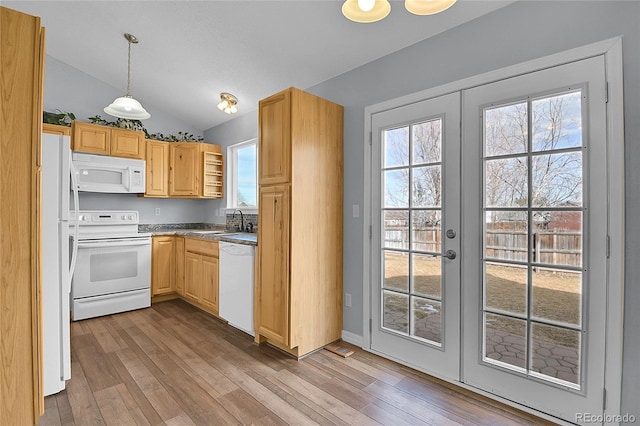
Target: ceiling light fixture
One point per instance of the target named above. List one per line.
(126, 106)
(228, 103)
(427, 7)
(366, 11)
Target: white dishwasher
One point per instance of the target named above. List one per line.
(236, 285)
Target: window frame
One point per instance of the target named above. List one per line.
(232, 175)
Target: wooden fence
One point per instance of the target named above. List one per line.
(554, 247)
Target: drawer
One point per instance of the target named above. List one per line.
(197, 245)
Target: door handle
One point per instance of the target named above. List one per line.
(450, 254)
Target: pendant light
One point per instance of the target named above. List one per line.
(126, 106)
(427, 7)
(366, 11)
(228, 103)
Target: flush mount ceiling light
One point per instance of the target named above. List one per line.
(228, 103)
(427, 7)
(126, 106)
(366, 11)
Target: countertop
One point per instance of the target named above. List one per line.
(213, 234)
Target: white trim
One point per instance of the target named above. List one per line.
(612, 49)
(615, 300)
(353, 338)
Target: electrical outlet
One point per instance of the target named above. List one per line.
(157, 212)
(347, 300)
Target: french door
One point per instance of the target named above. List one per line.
(535, 233)
(416, 314)
(489, 262)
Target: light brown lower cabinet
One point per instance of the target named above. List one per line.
(163, 265)
(201, 274)
(180, 266)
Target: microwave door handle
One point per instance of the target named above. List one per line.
(127, 185)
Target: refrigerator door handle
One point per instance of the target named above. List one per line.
(76, 209)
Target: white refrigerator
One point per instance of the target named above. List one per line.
(56, 272)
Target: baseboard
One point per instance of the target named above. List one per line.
(354, 339)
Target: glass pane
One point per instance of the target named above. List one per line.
(557, 237)
(396, 188)
(396, 270)
(247, 179)
(426, 189)
(396, 229)
(557, 180)
(506, 288)
(427, 275)
(426, 319)
(426, 231)
(505, 340)
(557, 295)
(395, 314)
(396, 147)
(505, 130)
(427, 140)
(506, 182)
(556, 352)
(506, 235)
(557, 122)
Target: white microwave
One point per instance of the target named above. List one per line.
(101, 173)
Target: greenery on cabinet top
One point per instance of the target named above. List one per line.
(64, 118)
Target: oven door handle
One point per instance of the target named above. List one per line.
(120, 243)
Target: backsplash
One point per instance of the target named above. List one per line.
(233, 224)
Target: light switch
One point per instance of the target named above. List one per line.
(356, 210)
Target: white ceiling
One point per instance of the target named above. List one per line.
(190, 51)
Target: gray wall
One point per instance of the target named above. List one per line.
(523, 31)
(68, 89)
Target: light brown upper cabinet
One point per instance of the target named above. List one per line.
(275, 139)
(195, 170)
(157, 180)
(184, 168)
(55, 129)
(298, 304)
(105, 140)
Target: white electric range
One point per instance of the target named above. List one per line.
(113, 264)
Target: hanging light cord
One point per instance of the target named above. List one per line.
(128, 69)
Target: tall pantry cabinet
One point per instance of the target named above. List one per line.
(21, 67)
(299, 283)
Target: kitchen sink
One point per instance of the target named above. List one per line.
(212, 232)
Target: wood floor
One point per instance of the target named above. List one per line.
(173, 364)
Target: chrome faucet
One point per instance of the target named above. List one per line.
(241, 227)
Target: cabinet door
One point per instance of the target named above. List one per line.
(55, 129)
(193, 276)
(210, 283)
(163, 265)
(91, 138)
(127, 143)
(275, 139)
(273, 258)
(184, 167)
(180, 265)
(157, 157)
